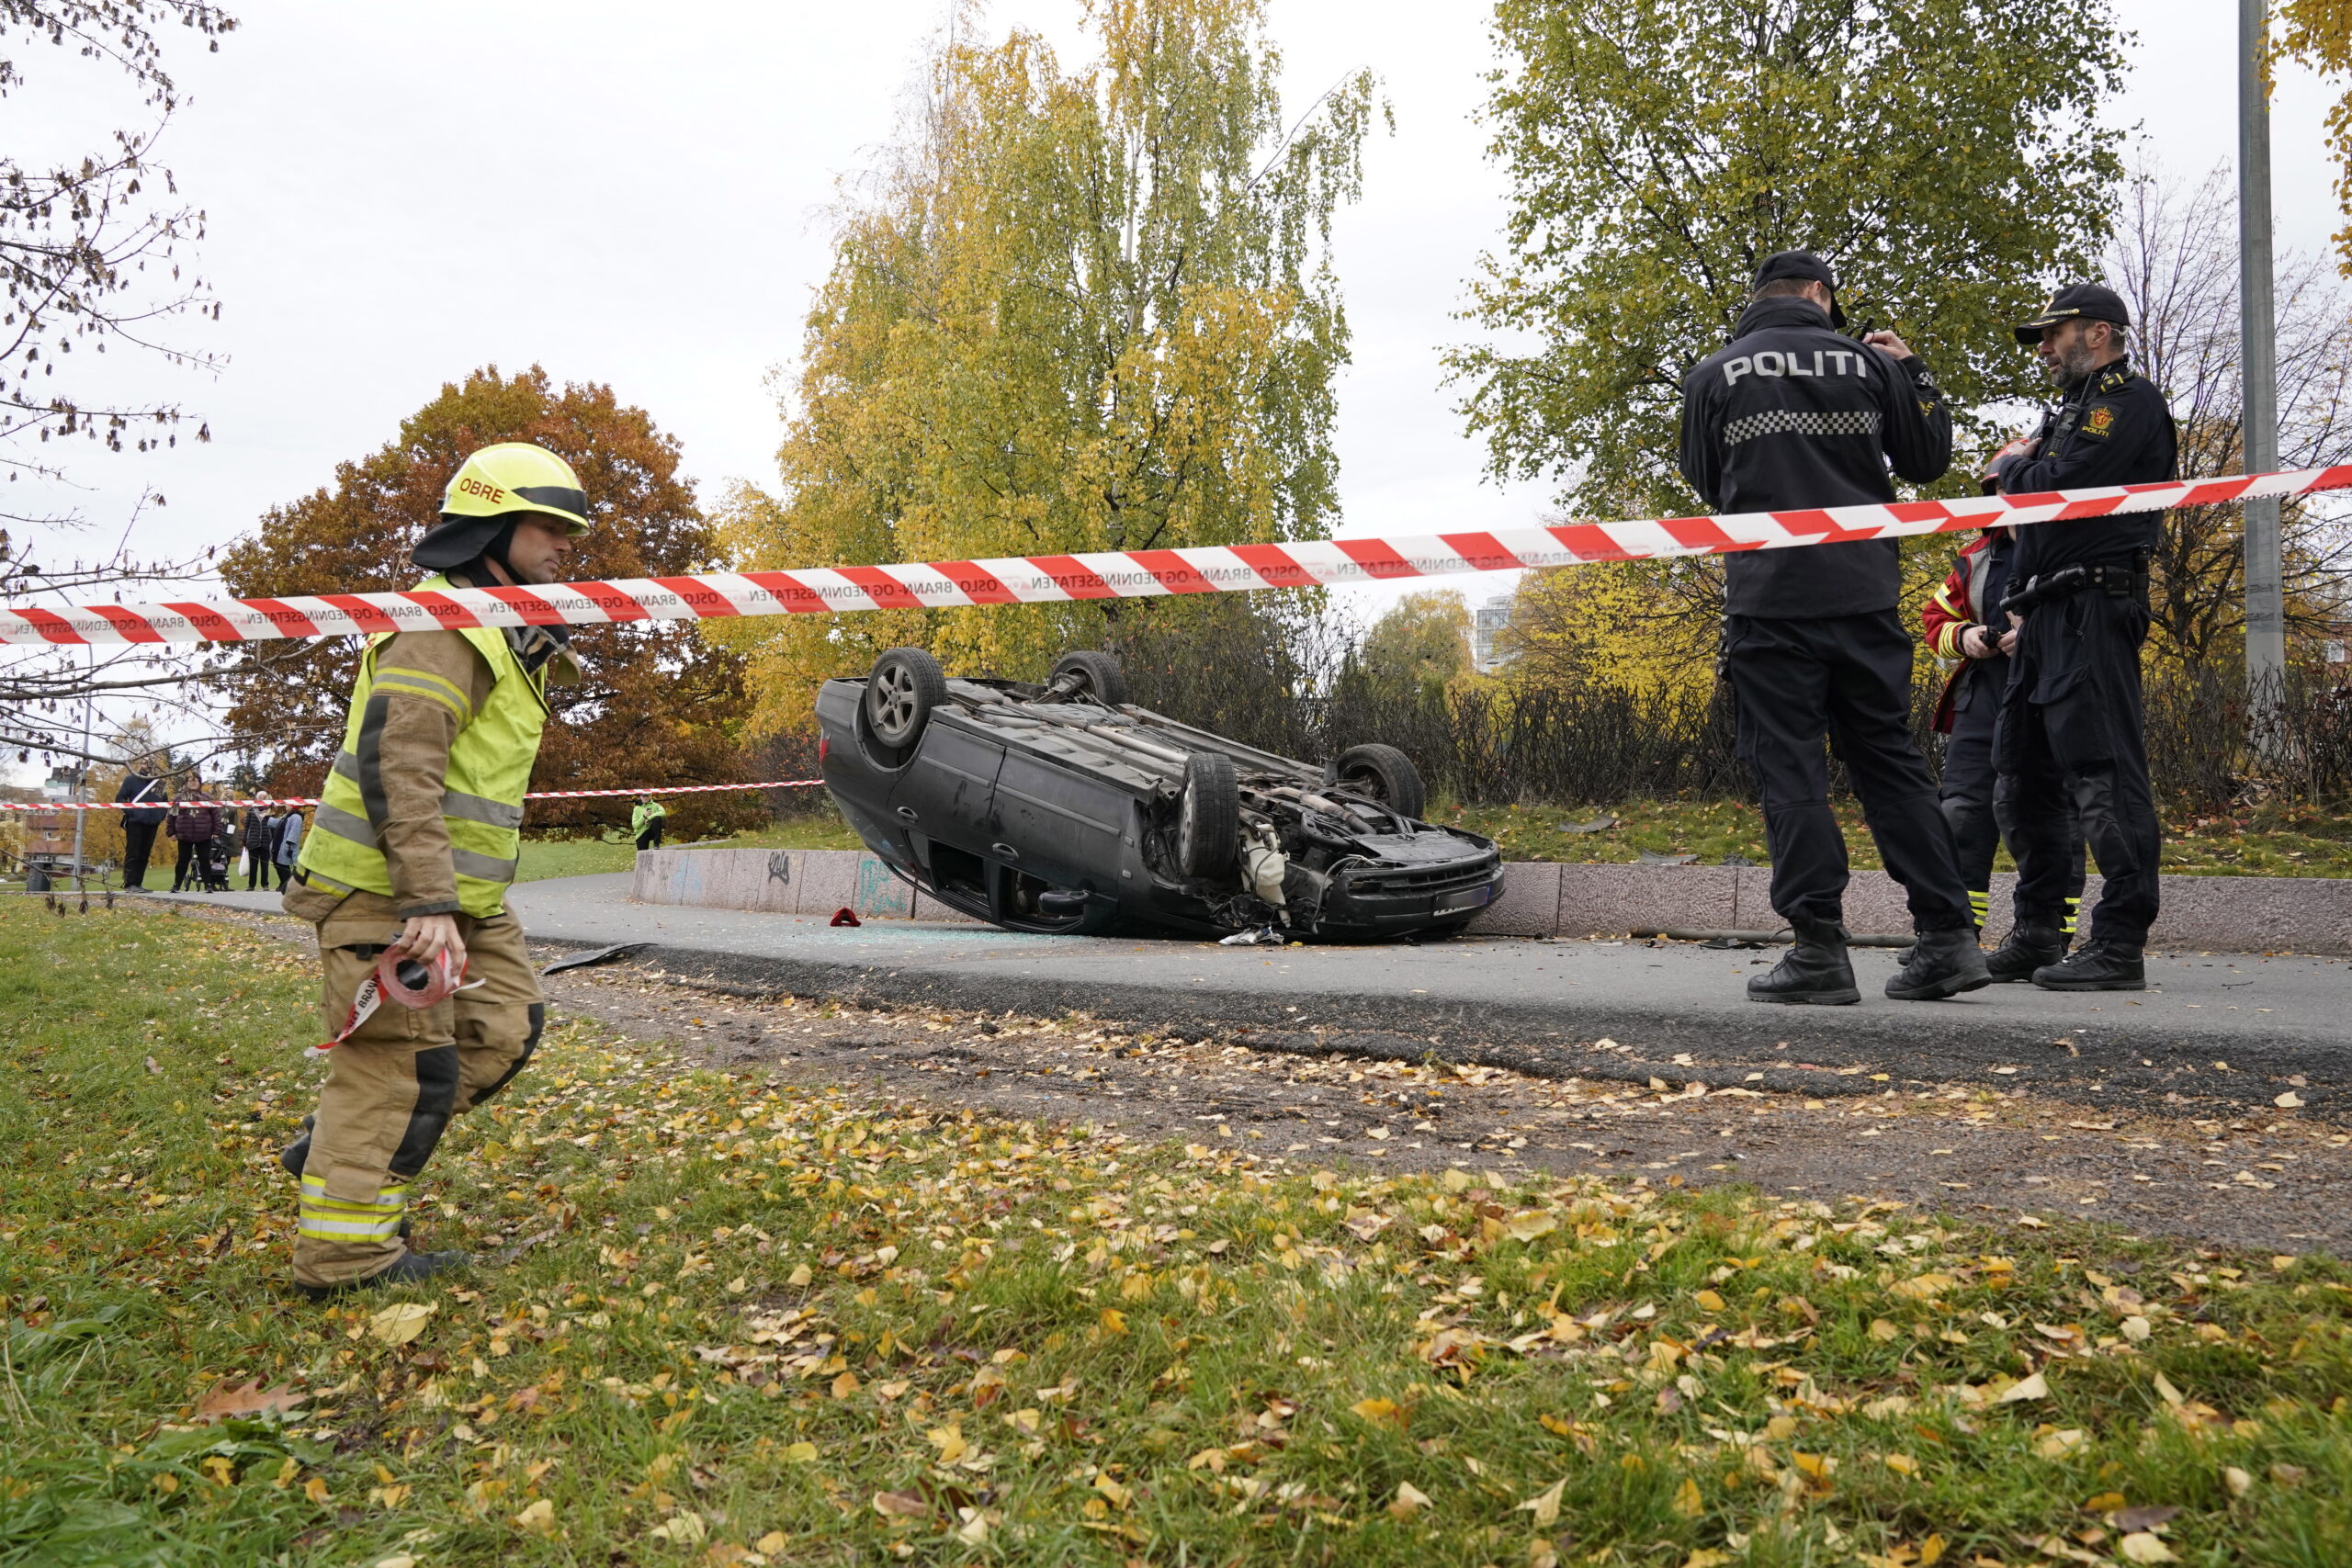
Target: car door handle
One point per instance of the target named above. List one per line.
(908, 812)
(1004, 851)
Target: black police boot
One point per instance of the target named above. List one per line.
(1817, 971)
(406, 1270)
(2099, 966)
(1903, 955)
(1943, 964)
(2025, 950)
(297, 1155)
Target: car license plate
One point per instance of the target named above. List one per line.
(1469, 898)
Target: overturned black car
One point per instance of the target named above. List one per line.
(1064, 808)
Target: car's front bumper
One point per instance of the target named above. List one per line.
(1384, 900)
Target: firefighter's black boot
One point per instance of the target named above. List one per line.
(2025, 950)
(1817, 971)
(297, 1155)
(2102, 965)
(1943, 964)
(406, 1270)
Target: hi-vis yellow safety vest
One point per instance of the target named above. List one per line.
(489, 768)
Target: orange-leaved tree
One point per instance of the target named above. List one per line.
(659, 706)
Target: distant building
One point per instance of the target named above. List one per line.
(1487, 625)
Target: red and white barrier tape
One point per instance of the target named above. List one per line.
(441, 980)
(1031, 580)
(314, 800)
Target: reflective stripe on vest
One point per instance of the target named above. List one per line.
(481, 802)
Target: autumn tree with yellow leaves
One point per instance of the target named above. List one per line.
(1072, 310)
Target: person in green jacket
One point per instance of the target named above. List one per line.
(409, 855)
(646, 822)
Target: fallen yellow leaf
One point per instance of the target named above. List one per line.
(2143, 1547)
(2034, 1387)
(683, 1529)
(1112, 1492)
(799, 1453)
(1532, 1224)
(2058, 1445)
(1380, 1412)
(1882, 1330)
(2287, 1101)
(1709, 1302)
(2238, 1481)
(845, 1385)
(315, 1489)
(1686, 1501)
(1545, 1506)
(402, 1322)
(1410, 1500)
(539, 1518)
(772, 1543)
(900, 1505)
(1931, 1551)
(1903, 1464)
(1113, 1321)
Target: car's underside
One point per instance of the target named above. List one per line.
(1215, 837)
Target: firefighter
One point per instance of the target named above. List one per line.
(411, 853)
(2072, 724)
(1962, 622)
(1794, 413)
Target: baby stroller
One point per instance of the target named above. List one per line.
(216, 865)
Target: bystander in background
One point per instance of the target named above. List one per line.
(143, 782)
(288, 845)
(192, 826)
(261, 842)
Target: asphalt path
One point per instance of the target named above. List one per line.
(2229, 1028)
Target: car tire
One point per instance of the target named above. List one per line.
(1382, 774)
(905, 685)
(1208, 817)
(1101, 677)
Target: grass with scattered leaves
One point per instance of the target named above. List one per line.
(2263, 841)
(733, 1322)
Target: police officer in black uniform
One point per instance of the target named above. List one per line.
(1791, 414)
(2071, 718)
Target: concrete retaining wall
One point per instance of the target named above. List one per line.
(2226, 914)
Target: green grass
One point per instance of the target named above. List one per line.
(2266, 841)
(756, 1324)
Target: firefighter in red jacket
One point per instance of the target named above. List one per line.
(1954, 619)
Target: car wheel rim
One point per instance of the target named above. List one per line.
(894, 709)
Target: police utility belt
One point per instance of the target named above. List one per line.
(2116, 580)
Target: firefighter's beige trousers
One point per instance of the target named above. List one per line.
(392, 1086)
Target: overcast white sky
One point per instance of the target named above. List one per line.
(399, 193)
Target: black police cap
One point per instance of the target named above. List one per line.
(1804, 266)
(2077, 302)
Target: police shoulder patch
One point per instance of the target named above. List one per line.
(2098, 421)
